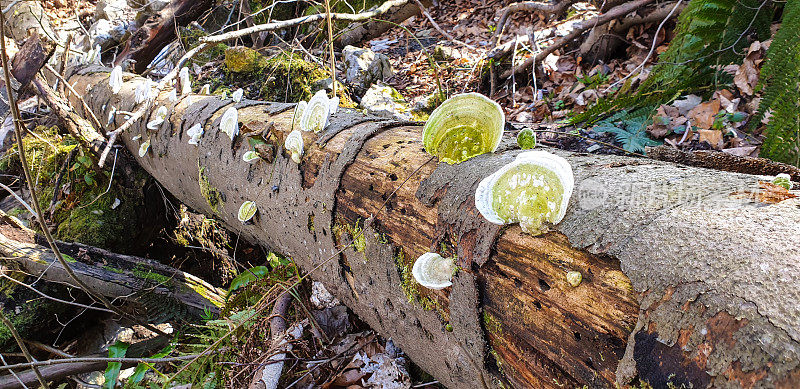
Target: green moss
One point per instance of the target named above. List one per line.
(143, 273)
(491, 324)
(190, 38)
(290, 78)
(112, 269)
(241, 59)
(212, 195)
(84, 212)
(31, 316)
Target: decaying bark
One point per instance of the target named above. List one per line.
(682, 282)
(108, 274)
(159, 30)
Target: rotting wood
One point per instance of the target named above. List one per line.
(110, 274)
(664, 251)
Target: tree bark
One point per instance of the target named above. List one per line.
(681, 281)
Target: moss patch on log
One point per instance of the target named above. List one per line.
(86, 209)
(211, 194)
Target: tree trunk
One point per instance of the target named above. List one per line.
(682, 282)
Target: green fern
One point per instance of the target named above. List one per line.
(779, 79)
(709, 35)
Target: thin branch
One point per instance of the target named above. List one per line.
(279, 25)
(50, 362)
(40, 293)
(577, 30)
(13, 330)
(436, 26)
(529, 6)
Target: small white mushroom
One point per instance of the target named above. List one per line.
(533, 190)
(161, 115)
(172, 96)
(205, 89)
(186, 84)
(229, 123)
(143, 148)
(115, 79)
(246, 211)
(112, 114)
(433, 271)
(195, 132)
(316, 113)
(237, 95)
(144, 91)
(250, 156)
(294, 145)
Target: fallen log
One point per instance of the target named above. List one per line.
(683, 283)
(135, 279)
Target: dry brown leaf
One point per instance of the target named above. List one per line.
(702, 116)
(712, 137)
(768, 194)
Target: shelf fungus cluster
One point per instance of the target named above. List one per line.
(315, 114)
(533, 190)
(294, 145)
(433, 271)
(161, 115)
(464, 126)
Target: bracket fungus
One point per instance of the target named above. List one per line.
(294, 145)
(574, 278)
(205, 89)
(533, 190)
(172, 96)
(161, 115)
(115, 79)
(526, 139)
(237, 95)
(195, 132)
(298, 113)
(317, 112)
(783, 180)
(464, 126)
(186, 84)
(112, 114)
(143, 148)
(250, 157)
(144, 91)
(229, 123)
(246, 211)
(433, 271)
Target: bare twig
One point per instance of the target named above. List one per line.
(13, 330)
(279, 25)
(329, 22)
(86, 108)
(54, 298)
(101, 359)
(528, 6)
(436, 26)
(577, 30)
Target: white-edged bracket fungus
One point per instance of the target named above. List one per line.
(532, 190)
(229, 123)
(464, 126)
(250, 157)
(115, 79)
(246, 211)
(237, 95)
(172, 96)
(195, 132)
(317, 112)
(294, 145)
(574, 278)
(143, 148)
(205, 89)
(783, 180)
(186, 84)
(433, 271)
(526, 139)
(144, 91)
(298, 114)
(161, 115)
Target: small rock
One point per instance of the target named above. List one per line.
(383, 100)
(321, 298)
(106, 33)
(117, 10)
(363, 67)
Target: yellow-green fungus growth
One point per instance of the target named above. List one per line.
(526, 139)
(246, 211)
(574, 278)
(783, 180)
(464, 126)
(533, 190)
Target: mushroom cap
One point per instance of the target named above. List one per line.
(229, 123)
(316, 113)
(433, 271)
(463, 127)
(533, 189)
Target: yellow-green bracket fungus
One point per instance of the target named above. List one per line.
(464, 126)
(433, 271)
(294, 145)
(783, 180)
(526, 139)
(533, 190)
(247, 210)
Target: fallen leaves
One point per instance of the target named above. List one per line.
(769, 193)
